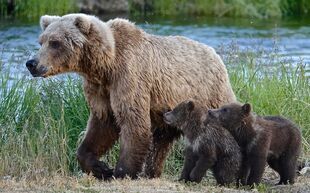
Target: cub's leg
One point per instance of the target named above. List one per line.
(226, 170)
(244, 171)
(274, 164)
(190, 161)
(287, 165)
(257, 169)
(202, 165)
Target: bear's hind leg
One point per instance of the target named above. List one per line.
(287, 166)
(100, 137)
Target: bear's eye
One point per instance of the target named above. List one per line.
(224, 110)
(54, 44)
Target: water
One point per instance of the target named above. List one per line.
(288, 40)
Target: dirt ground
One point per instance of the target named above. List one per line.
(165, 184)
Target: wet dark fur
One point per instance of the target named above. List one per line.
(271, 139)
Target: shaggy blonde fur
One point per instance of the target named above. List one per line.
(130, 78)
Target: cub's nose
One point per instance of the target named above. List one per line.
(210, 113)
(30, 64)
(166, 116)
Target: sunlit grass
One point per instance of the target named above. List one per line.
(40, 124)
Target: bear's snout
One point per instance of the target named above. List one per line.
(31, 64)
(34, 69)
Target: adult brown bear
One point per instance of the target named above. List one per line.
(130, 78)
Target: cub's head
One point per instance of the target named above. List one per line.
(65, 43)
(231, 115)
(180, 114)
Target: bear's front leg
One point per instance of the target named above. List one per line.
(257, 168)
(189, 163)
(244, 171)
(135, 138)
(100, 136)
(201, 167)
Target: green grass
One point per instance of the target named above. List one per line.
(33, 9)
(41, 121)
(40, 125)
(228, 8)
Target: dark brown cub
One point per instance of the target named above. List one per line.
(271, 139)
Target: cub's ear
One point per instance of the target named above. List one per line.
(246, 108)
(46, 20)
(83, 24)
(190, 105)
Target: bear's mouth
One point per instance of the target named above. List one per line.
(35, 69)
(38, 72)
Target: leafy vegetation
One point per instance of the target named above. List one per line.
(33, 9)
(229, 8)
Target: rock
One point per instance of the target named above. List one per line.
(305, 171)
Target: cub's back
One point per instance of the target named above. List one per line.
(285, 134)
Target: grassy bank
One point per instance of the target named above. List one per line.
(31, 10)
(220, 8)
(41, 121)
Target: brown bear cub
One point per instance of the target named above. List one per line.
(271, 139)
(208, 146)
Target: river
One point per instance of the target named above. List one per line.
(288, 40)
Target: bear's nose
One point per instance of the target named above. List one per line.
(31, 63)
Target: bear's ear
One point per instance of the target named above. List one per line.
(83, 24)
(246, 108)
(190, 105)
(45, 20)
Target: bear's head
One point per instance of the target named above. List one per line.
(180, 114)
(230, 116)
(67, 42)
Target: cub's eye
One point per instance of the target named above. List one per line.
(54, 44)
(224, 110)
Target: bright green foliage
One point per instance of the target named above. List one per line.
(232, 8)
(33, 9)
